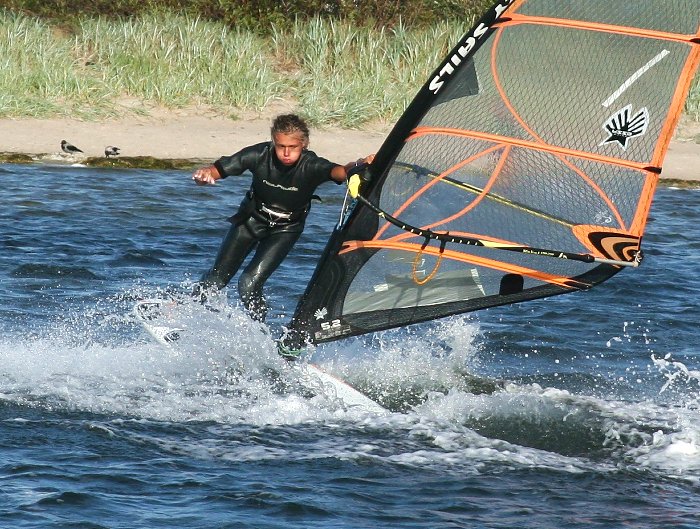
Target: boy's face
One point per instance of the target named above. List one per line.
(288, 147)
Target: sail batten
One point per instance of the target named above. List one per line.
(539, 146)
(608, 28)
(524, 168)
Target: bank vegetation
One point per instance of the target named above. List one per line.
(334, 63)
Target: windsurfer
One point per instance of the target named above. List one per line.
(271, 217)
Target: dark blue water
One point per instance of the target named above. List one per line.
(596, 426)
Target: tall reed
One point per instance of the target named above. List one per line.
(349, 75)
(178, 61)
(333, 71)
(39, 75)
(692, 104)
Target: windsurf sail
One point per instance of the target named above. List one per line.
(525, 167)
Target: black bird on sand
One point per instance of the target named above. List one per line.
(68, 148)
(111, 151)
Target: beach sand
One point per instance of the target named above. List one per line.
(202, 136)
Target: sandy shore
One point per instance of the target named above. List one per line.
(188, 137)
(185, 135)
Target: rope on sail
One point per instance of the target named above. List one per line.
(471, 241)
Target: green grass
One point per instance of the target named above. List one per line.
(692, 104)
(333, 71)
(347, 74)
(39, 73)
(169, 61)
(178, 61)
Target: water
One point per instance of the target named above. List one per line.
(596, 425)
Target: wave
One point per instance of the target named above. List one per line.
(141, 257)
(49, 271)
(446, 414)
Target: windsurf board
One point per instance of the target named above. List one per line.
(159, 317)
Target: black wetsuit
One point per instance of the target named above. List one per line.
(271, 217)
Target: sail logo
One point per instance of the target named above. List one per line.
(624, 125)
(329, 330)
(320, 314)
(468, 44)
(331, 325)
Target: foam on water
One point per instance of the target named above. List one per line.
(446, 414)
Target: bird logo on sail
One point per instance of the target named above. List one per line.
(321, 314)
(623, 125)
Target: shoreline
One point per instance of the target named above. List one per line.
(183, 139)
(171, 136)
